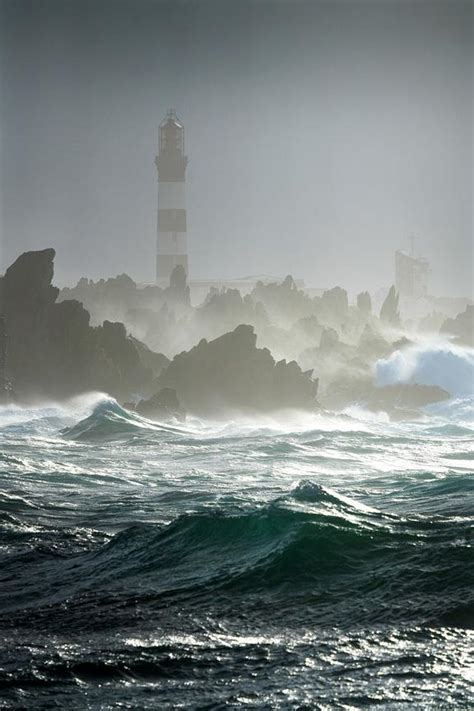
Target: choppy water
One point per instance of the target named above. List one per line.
(325, 563)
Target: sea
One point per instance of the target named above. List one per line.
(299, 560)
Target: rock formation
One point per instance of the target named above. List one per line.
(51, 349)
(162, 407)
(389, 311)
(231, 374)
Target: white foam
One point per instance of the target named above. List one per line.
(444, 364)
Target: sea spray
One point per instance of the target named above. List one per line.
(444, 364)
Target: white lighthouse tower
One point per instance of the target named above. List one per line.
(171, 246)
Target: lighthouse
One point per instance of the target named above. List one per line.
(171, 162)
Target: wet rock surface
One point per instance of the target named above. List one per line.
(230, 373)
(51, 351)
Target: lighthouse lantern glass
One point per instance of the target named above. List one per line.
(172, 136)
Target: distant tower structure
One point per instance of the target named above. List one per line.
(171, 246)
(411, 273)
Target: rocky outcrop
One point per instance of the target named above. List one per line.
(389, 312)
(51, 349)
(231, 374)
(164, 406)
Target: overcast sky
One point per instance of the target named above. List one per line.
(320, 135)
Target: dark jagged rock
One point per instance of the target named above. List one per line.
(27, 282)
(364, 302)
(231, 373)
(389, 312)
(461, 327)
(162, 407)
(51, 349)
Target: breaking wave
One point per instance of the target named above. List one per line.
(448, 366)
(109, 420)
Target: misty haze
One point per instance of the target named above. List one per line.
(236, 354)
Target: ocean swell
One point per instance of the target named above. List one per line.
(312, 547)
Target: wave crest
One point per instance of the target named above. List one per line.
(110, 421)
(444, 364)
(334, 552)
